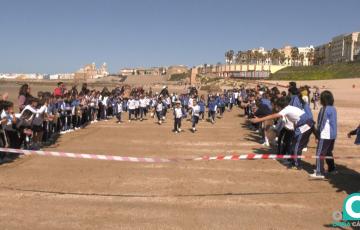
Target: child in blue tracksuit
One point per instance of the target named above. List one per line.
(357, 133)
(221, 105)
(294, 97)
(185, 102)
(75, 118)
(264, 109)
(212, 105)
(201, 103)
(325, 134)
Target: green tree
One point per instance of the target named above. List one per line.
(275, 56)
(301, 58)
(310, 56)
(249, 56)
(294, 54)
(282, 57)
(238, 57)
(229, 56)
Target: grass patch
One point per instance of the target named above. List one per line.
(207, 80)
(333, 71)
(179, 76)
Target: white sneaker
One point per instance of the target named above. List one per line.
(266, 144)
(193, 129)
(318, 177)
(62, 132)
(179, 130)
(305, 149)
(160, 122)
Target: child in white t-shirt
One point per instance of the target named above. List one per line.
(296, 119)
(119, 110)
(131, 104)
(178, 114)
(195, 112)
(159, 107)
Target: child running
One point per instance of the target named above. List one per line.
(159, 110)
(212, 105)
(195, 115)
(178, 114)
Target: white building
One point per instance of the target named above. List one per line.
(7, 76)
(342, 48)
(266, 59)
(304, 53)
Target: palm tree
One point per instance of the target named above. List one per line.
(310, 57)
(249, 56)
(294, 54)
(275, 55)
(261, 57)
(229, 56)
(282, 57)
(264, 57)
(238, 57)
(302, 57)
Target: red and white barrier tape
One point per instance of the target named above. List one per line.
(164, 160)
(268, 156)
(86, 156)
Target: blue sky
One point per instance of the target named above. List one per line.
(48, 36)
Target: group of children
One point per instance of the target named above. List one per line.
(289, 115)
(41, 119)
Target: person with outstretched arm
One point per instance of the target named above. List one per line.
(300, 121)
(357, 133)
